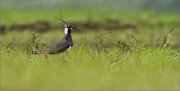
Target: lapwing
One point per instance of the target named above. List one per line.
(63, 45)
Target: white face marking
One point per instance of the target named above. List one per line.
(65, 30)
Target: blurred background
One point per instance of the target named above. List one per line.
(147, 19)
(122, 5)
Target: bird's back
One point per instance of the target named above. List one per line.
(58, 47)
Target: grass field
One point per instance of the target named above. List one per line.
(99, 60)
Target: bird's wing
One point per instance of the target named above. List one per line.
(59, 47)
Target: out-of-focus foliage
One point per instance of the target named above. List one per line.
(125, 5)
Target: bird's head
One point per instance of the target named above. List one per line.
(68, 28)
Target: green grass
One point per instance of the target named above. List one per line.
(84, 68)
(150, 17)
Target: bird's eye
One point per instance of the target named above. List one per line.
(68, 26)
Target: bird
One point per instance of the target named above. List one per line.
(63, 45)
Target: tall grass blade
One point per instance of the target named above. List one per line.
(167, 38)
